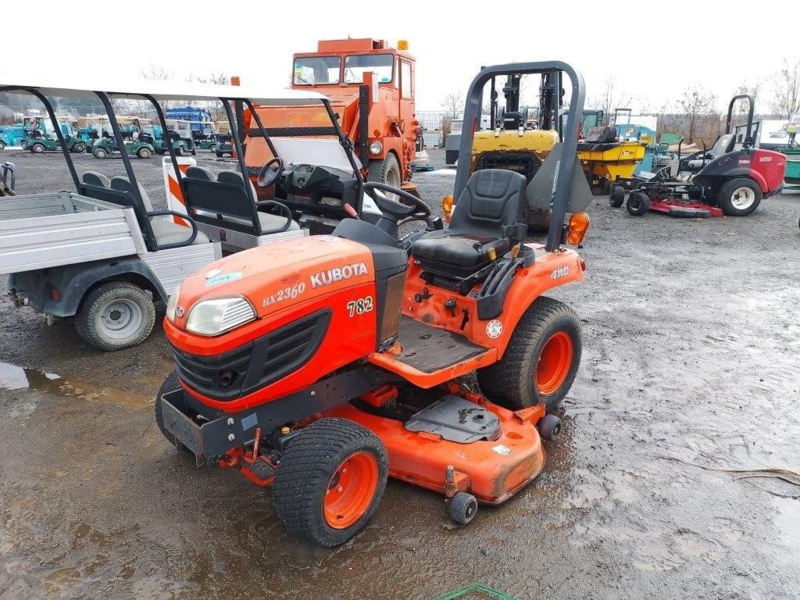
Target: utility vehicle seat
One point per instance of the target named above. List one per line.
(200, 173)
(486, 216)
(95, 178)
(164, 229)
(268, 221)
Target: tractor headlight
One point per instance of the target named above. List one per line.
(172, 304)
(216, 316)
(375, 148)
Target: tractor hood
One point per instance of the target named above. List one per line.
(280, 275)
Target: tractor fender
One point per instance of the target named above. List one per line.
(550, 271)
(75, 281)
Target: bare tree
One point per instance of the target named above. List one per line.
(453, 105)
(156, 73)
(696, 103)
(610, 99)
(215, 79)
(747, 89)
(787, 89)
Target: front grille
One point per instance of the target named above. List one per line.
(257, 364)
(522, 162)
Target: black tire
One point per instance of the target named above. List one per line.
(219, 154)
(37, 148)
(386, 171)
(549, 427)
(99, 152)
(538, 219)
(115, 316)
(638, 204)
(212, 148)
(194, 151)
(2, 145)
(462, 508)
(512, 381)
(79, 148)
(170, 384)
(617, 196)
(144, 153)
(306, 475)
(739, 197)
(179, 151)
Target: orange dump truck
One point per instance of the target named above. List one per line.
(371, 88)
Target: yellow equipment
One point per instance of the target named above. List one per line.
(607, 161)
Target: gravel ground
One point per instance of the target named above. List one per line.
(691, 340)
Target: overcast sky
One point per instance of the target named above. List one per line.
(651, 50)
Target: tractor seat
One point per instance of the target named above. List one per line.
(486, 216)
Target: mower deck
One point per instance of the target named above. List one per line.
(678, 208)
(428, 356)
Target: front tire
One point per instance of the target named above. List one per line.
(37, 148)
(541, 360)
(144, 153)
(739, 197)
(115, 316)
(386, 171)
(99, 153)
(638, 204)
(331, 479)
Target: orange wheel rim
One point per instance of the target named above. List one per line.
(350, 490)
(554, 363)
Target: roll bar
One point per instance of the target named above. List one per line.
(749, 116)
(562, 183)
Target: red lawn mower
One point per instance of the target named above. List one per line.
(730, 179)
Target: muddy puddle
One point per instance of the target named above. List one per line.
(18, 378)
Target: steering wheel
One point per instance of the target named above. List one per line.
(402, 213)
(270, 172)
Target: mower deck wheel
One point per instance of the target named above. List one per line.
(638, 204)
(462, 508)
(617, 196)
(549, 428)
(330, 481)
(541, 360)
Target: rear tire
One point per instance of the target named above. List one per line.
(179, 151)
(739, 197)
(37, 148)
(638, 204)
(144, 153)
(617, 197)
(541, 360)
(2, 145)
(115, 316)
(331, 479)
(99, 152)
(538, 219)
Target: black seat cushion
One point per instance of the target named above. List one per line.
(491, 202)
(458, 254)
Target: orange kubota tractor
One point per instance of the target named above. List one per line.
(324, 365)
(371, 88)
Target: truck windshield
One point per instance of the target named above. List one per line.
(356, 66)
(317, 70)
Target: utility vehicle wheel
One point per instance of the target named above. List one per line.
(638, 204)
(541, 360)
(99, 152)
(219, 154)
(144, 153)
(80, 148)
(115, 316)
(617, 196)
(538, 220)
(2, 145)
(386, 171)
(38, 148)
(462, 508)
(179, 151)
(194, 151)
(549, 427)
(170, 384)
(739, 197)
(213, 147)
(331, 478)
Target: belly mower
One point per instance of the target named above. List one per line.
(323, 365)
(731, 179)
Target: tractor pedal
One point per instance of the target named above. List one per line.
(260, 472)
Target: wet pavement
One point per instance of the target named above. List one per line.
(691, 345)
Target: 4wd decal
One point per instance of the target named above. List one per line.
(338, 274)
(558, 273)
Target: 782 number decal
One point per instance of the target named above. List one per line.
(360, 306)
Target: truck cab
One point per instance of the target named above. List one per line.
(371, 88)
